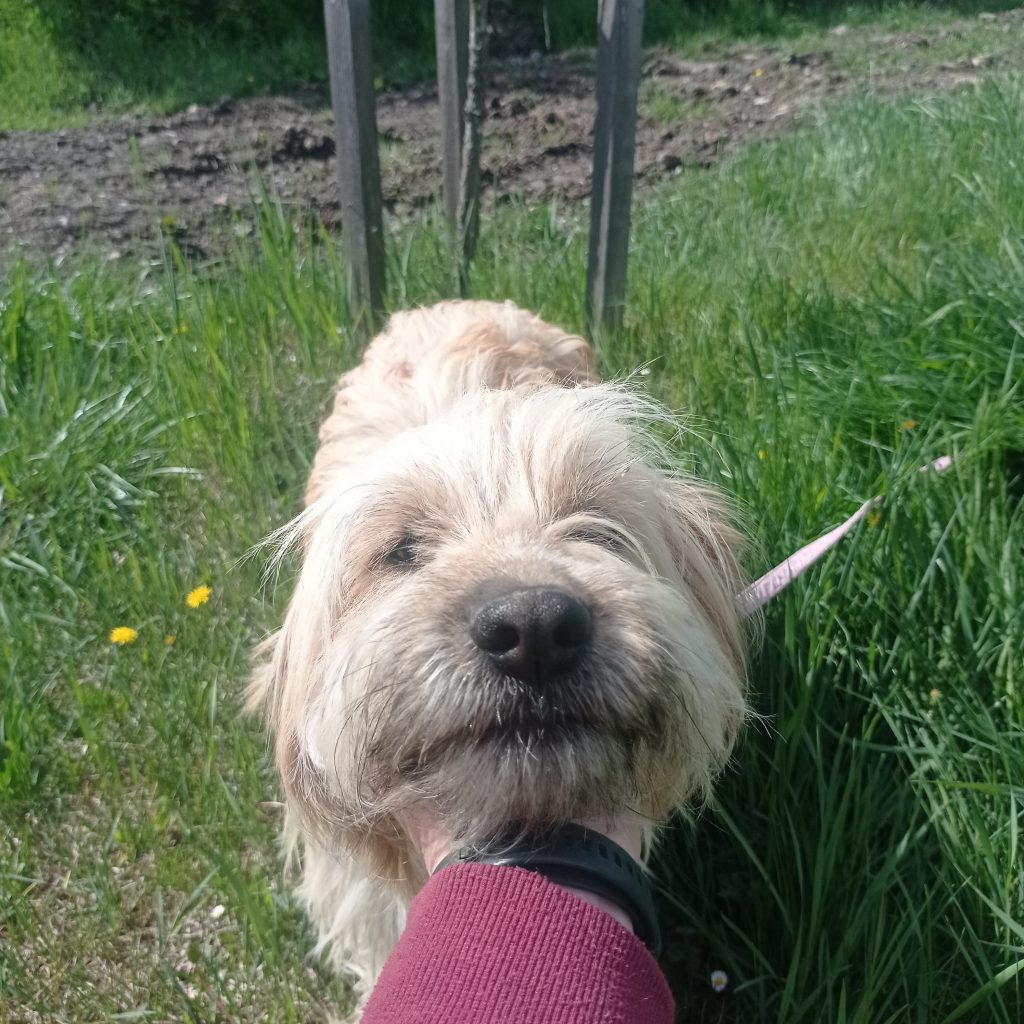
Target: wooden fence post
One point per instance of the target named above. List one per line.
(620, 24)
(451, 29)
(349, 54)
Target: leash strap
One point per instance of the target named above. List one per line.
(773, 582)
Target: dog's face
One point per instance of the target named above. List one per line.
(513, 612)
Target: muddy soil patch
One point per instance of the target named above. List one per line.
(198, 174)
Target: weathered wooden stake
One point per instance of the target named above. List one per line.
(620, 23)
(451, 29)
(355, 119)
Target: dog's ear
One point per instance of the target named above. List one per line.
(708, 551)
(268, 694)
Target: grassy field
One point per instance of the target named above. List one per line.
(66, 64)
(831, 311)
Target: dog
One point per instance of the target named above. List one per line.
(508, 605)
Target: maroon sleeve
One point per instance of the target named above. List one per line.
(497, 945)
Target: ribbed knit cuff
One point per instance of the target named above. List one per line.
(498, 945)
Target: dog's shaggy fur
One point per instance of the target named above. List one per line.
(471, 454)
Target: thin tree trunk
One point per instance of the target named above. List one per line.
(476, 110)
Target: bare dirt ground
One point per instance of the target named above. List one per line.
(195, 175)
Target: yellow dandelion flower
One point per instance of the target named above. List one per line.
(874, 518)
(762, 454)
(759, 72)
(198, 597)
(719, 981)
(183, 328)
(935, 694)
(123, 635)
(170, 640)
(908, 424)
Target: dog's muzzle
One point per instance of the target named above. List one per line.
(533, 634)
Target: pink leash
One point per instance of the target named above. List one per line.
(761, 591)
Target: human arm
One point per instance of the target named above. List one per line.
(505, 945)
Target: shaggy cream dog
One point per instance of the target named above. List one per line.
(507, 606)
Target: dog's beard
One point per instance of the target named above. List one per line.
(511, 753)
(410, 711)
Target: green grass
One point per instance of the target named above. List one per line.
(847, 301)
(694, 25)
(664, 107)
(59, 73)
(63, 65)
(969, 47)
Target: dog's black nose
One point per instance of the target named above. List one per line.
(533, 634)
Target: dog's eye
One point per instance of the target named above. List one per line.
(403, 554)
(605, 538)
